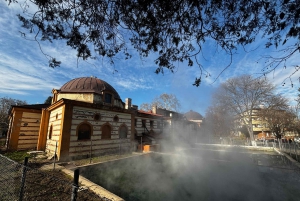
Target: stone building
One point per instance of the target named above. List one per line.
(86, 118)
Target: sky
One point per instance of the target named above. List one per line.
(26, 75)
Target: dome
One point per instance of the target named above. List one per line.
(191, 115)
(88, 85)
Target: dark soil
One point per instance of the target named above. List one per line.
(53, 185)
(50, 185)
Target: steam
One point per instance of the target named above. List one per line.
(185, 170)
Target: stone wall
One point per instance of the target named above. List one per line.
(98, 146)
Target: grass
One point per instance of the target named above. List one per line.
(2, 142)
(17, 156)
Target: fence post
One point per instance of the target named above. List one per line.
(75, 185)
(296, 151)
(23, 178)
(55, 156)
(91, 149)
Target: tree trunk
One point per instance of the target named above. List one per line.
(250, 131)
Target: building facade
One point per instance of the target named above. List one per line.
(86, 118)
(260, 126)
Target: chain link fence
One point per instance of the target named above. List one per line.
(19, 182)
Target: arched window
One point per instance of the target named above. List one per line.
(84, 131)
(50, 133)
(106, 131)
(123, 132)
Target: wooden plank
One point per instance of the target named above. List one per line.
(29, 133)
(30, 121)
(28, 141)
(26, 146)
(32, 115)
(26, 138)
(24, 129)
(29, 124)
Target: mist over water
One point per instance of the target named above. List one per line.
(186, 170)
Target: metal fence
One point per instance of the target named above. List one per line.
(21, 183)
(292, 149)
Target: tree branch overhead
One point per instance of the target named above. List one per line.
(175, 31)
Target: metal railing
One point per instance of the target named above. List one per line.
(22, 183)
(291, 148)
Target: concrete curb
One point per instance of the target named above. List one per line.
(102, 192)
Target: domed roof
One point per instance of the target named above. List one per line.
(191, 115)
(88, 85)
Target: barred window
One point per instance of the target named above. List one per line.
(123, 132)
(106, 132)
(84, 131)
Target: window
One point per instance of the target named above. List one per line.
(97, 117)
(84, 131)
(116, 118)
(143, 123)
(106, 132)
(135, 122)
(151, 124)
(108, 98)
(50, 133)
(123, 132)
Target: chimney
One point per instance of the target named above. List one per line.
(154, 109)
(127, 103)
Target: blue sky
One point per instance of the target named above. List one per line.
(25, 73)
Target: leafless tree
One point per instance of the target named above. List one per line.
(5, 105)
(165, 101)
(279, 121)
(296, 111)
(218, 122)
(241, 95)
